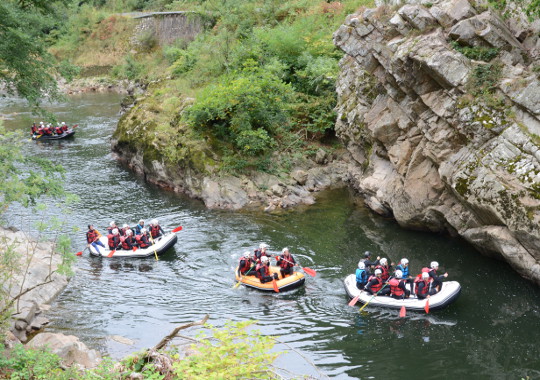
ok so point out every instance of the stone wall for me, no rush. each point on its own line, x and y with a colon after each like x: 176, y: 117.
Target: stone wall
x: 168, y: 27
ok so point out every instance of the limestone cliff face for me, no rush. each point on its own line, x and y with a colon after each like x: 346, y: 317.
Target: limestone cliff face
x: 441, y: 141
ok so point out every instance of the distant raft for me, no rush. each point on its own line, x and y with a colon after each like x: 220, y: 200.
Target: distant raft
x: 161, y: 244
x: 66, y: 134
x: 293, y: 281
x: 449, y: 292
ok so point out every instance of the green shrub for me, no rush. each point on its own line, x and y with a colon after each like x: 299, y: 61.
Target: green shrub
x: 479, y: 53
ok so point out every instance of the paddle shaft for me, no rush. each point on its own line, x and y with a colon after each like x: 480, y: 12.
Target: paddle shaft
x: 242, y: 277
x: 310, y: 271
x: 375, y: 295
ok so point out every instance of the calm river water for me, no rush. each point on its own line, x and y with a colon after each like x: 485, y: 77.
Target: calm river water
x: 491, y: 331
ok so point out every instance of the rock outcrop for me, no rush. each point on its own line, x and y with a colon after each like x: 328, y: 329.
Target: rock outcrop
x: 439, y: 106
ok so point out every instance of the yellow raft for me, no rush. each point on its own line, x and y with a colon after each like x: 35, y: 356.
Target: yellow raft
x: 292, y: 281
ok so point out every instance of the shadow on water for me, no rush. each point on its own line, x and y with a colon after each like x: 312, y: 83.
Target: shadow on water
x: 490, y: 332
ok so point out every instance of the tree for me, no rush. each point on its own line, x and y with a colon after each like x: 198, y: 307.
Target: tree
x: 26, y: 68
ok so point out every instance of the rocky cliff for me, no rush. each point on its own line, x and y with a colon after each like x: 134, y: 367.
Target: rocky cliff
x: 439, y: 105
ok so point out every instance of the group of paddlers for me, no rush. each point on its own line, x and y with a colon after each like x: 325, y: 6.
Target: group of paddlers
x: 48, y: 129
x: 258, y: 264
x: 125, y: 237
x: 374, y: 277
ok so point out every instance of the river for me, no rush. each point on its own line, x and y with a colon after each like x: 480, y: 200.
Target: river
x: 490, y: 332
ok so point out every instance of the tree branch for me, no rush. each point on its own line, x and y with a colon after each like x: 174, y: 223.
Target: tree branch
x: 169, y: 337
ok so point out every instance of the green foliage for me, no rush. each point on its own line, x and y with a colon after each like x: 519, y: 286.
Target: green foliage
x: 29, y: 363
x: 232, y: 353
x: 250, y: 105
x: 479, y: 53
x: 25, y: 65
x: 131, y: 69
x: 485, y: 78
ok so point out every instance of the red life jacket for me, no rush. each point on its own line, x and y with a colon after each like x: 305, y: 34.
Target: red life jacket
x: 247, y: 264
x: 127, y: 242
x: 65, y: 128
x: 154, y: 231
x: 113, y: 241
x: 394, y: 287
x: 91, y: 236
x: 384, y: 271
x: 142, y: 242
x: 425, y: 289
x: 378, y: 286
x: 58, y: 130
x: 285, y: 262
x: 258, y: 270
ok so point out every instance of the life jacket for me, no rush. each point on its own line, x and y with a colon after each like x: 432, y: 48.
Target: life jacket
x: 154, y: 231
x: 64, y: 128
x: 404, y: 270
x: 259, y: 254
x: 378, y: 286
x: 394, y: 287
x: 247, y: 264
x: 384, y: 271
x: 91, y: 236
x: 34, y: 129
x: 285, y: 262
x: 425, y: 289
x: 142, y: 241
x: 113, y: 241
x: 258, y: 271
x: 361, y: 276
x: 58, y: 130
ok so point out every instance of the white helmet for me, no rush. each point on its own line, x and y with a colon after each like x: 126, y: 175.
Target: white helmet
x: 143, y: 230
x: 141, y: 221
x: 383, y: 261
x: 404, y: 261
x: 247, y: 254
x: 129, y: 232
x: 115, y: 231
x: 425, y: 275
x: 154, y: 222
x: 398, y: 274
x: 264, y: 259
x: 112, y: 224
x: 285, y: 250
x: 361, y: 265
x: 434, y: 264
x: 378, y: 271
x: 63, y: 123
x: 40, y: 123
x: 263, y: 246
x: 125, y: 226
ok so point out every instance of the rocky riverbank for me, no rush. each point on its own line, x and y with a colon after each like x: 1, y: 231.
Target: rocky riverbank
x: 33, y: 282
x: 439, y: 106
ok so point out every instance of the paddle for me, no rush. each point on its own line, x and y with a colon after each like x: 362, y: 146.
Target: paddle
x: 426, y: 307
x: 354, y: 300
x: 177, y: 229
x: 134, y: 249
x: 111, y: 253
x: 309, y: 271
x: 402, y: 312
x: 81, y: 252
x: 155, y: 252
x: 274, y: 284
x: 242, y: 277
x: 375, y: 295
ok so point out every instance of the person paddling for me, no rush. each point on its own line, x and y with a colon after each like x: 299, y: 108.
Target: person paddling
x: 286, y: 263
x: 263, y: 271
x: 246, y: 264
x: 142, y: 239
x: 92, y: 238
x: 155, y: 229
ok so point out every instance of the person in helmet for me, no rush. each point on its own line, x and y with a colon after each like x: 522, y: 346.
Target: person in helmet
x: 124, y: 229
x: 261, y: 251
x: 361, y: 275
x: 142, y: 239
x: 437, y: 280
x: 403, y: 266
x: 128, y: 241
x: 376, y: 285
x: 112, y: 226
x: 64, y: 127
x: 246, y: 265
x: 114, y: 239
x: 397, y: 286
x: 385, y: 268
x: 368, y: 263
x: 262, y: 271
x: 155, y: 229
x: 138, y: 227
x: 286, y: 263
x: 424, y: 288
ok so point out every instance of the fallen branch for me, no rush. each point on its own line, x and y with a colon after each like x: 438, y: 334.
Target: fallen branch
x: 169, y: 337
x: 12, y: 301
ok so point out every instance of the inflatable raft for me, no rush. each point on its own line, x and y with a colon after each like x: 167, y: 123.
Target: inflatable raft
x: 293, y: 281
x: 66, y: 134
x: 161, y: 244
x: 450, y: 291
